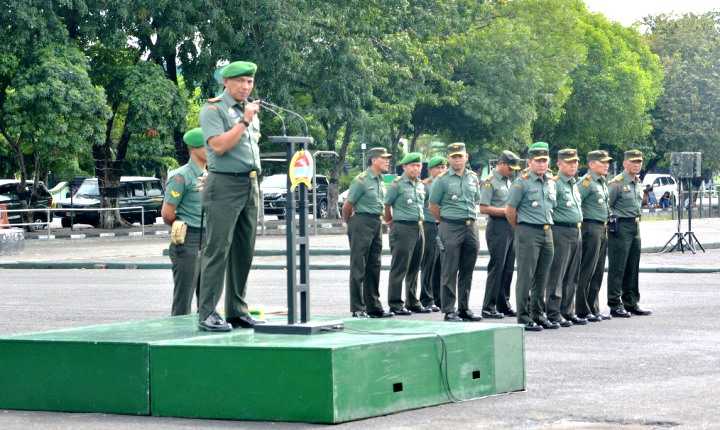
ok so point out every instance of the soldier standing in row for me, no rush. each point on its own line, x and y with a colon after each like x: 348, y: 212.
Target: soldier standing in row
x: 567, y: 220
x: 431, y: 268
x: 529, y: 211
x: 453, y: 201
x: 404, y: 214
x: 182, y: 209
x: 494, y: 193
x: 596, y: 211
x: 363, y: 211
x: 626, y: 196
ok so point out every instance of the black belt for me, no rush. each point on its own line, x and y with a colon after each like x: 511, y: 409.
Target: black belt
x: 369, y: 215
x: 594, y: 221
x: 635, y: 219
x: 465, y: 221
x: 401, y: 221
x: 497, y: 218
x: 250, y: 174
x: 536, y: 226
x: 568, y: 224
x: 431, y: 222
x: 195, y: 229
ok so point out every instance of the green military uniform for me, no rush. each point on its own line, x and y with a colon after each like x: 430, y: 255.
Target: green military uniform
x: 494, y: 192
x: 564, y: 271
x: 366, y: 195
x: 431, y: 266
x: 231, y: 201
x: 458, y: 196
x: 596, y: 211
x: 626, y: 195
x: 406, y: 196
x: 181, y: 191
x: 533, y: 197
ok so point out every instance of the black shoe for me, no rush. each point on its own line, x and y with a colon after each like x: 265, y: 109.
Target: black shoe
x: 214, y: 322
x: 620, y: 313
x: 468, y: 315
x: 590, y: 318
x: 576, y: 320
x: 420, y: 310
x: 548, y: 325
x: 604, y: 317
x: 243, y: 322
x: 531, y: 326
x: 452, y: 317
x: 402, y: 312
x: 359, y: 314
x: 493, y: 315
x: 509, y: 312
x: 640, y: 312
x: 434, y: 308
x: 562, y: 322
x: 380, y: 314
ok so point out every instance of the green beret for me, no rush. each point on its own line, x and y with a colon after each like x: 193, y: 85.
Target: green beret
x: 436, y: 161
x: 194, y: 138
x: 539, y: 150
x: 411, y: 157
x: 239, y: 68
x: 633, y: 155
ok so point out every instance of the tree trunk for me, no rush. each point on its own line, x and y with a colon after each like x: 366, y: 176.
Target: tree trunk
x: 416, y: 135
x: 108, y: 172
x: 336, y: 171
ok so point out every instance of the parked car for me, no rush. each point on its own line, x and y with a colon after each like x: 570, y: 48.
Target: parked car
x: 660, y: 183
x: 134, y: 191
x: 42, y: 199
x: 274, y: 189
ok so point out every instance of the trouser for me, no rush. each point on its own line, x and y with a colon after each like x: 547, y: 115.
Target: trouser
x: 592, y: 268
x: 623, y: 265
x: 406, y: 247
x: 564, y: 272
x: 534, y: 250
x: 365, y: 236
x: 458, y: 262
x: 431, y: 267
x: 185, y: 262
x: 231, y: 208
x: 499, y: 237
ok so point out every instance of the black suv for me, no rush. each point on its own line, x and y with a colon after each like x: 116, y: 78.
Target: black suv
x: 274, y: 193
x: 134, y: 191
x: 14, y: 196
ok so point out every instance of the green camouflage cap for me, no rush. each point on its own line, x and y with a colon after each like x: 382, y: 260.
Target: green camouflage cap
x: 411, y: 157
x: 378, y: 152
x: 598, y: 155
x: 568, y: 154
x: 456, y: 148
x: 511, y: 159
x: 194, y: 138
x: 239, y: 68
x: 436, y: 161
x: 633, y: 155
x: 538, y: 151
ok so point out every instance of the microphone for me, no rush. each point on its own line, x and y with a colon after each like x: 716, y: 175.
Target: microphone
x: 267, y: 105
x: 277, y: 114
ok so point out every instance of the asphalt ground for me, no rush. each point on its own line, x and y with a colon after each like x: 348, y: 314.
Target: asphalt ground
x: 661, y: 371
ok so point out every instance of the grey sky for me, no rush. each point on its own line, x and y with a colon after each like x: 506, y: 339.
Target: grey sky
x: 629, y: 11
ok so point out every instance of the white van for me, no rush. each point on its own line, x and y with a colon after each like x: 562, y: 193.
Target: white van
x: 660, y: 183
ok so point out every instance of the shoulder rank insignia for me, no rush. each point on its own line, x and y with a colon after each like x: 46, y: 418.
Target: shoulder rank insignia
x: 525, y: 175
x: 586, y: 181
x: 214, y: 99
x: 617, y: 178
x: 174, y: 194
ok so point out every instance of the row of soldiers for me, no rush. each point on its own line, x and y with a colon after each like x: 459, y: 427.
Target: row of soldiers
x: 559, y: 228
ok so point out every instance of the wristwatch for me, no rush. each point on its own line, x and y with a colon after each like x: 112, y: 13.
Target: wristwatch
x: 247, y: 124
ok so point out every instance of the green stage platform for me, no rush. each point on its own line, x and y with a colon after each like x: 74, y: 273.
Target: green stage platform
x: 167, y: 367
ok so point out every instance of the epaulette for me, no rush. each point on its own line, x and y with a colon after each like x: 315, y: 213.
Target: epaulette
x: 556, y: 178
x: 617, y: 178
x: 525, y: 175
x: 442, y: 174
x: 487, y: 178
x: 398, y: 179
x: 214, y: 99
x: 427, y: 180
x: 586, y: 181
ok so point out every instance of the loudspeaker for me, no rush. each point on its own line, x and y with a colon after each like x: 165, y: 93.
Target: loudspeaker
x: 686, y: 164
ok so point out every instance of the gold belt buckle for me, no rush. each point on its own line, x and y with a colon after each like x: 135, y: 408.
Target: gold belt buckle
x: 469, y: 221
x: 579, y: 225
x: 253, y: 174
x: 637, y: 220
x: 546, y: 227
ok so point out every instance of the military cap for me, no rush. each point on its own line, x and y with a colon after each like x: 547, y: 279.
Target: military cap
x: 568, y: 154
x: 456, y: 148
x: 378, y: 152
x: 436, y: 161
x: 239, y: 68
x: 194, y: 138
x: 509, y: 158
x: 598, y: 155
x: 411, y: 157
x: 539, y: 151
x: 633, y: 155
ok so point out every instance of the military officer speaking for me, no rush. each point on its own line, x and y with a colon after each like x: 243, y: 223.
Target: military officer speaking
x: 626, y: 196
x: 494, y: 193
x: 182, y: 209
x: 231, y: 130
x: 567, y: 220
x: 596, y: 211
x: 404, y: 213
x: 529, y: 211
x: 431, y: 268
x: 362, y: 211
x: 453, y: 200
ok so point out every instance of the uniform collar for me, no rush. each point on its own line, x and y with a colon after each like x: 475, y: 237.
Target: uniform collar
x: 534, y: 176
x: 499, y: 177
x: 565, y: 178
x: 451, y: 171
x: 627, y: 178
x: 195, y: 168
x: 372, y: 174
x: 407, y: 179
x: 229, y: 100
x: 596, y: 177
